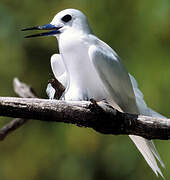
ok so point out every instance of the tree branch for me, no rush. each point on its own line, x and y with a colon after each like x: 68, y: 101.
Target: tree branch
x: 25, y: 91
x: 101, y: 118
x: 11, y: 126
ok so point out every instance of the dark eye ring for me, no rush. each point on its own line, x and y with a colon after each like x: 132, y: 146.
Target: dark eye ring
x: 66, y: 18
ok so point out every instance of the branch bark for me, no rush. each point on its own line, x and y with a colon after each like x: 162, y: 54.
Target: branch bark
x: 102, y: 118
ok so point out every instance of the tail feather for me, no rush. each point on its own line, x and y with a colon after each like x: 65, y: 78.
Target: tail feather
x: 155, y: 152
x: 146, y: 147
x: 146, y: 150
x: 150, y: 143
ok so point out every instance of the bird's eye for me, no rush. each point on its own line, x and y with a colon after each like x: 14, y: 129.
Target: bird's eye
x: 66, y: 18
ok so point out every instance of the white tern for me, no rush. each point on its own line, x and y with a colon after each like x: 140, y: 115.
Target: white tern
x: 89, y: 68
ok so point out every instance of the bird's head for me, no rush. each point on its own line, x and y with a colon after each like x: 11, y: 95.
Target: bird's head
x: 68, y: 19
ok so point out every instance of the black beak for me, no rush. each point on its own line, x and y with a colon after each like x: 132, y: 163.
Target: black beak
x: 53, y: 28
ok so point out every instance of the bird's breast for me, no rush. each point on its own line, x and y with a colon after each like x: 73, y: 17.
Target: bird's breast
x: 84, y: 82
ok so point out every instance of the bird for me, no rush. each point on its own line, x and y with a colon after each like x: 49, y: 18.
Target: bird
x: 91, y: 69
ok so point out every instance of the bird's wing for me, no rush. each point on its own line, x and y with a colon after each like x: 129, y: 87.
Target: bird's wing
x: 58, y: 69
x: 57, y: 65
x: 59, y: 72
x: 114, y: 77
x: 143, y: 108
x: 119, y: 85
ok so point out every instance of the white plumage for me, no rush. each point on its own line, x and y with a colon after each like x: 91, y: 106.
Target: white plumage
x: 89, y: 68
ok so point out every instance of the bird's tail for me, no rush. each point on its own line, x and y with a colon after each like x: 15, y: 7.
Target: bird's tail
x: 146, y: 147
x: 148, y: 150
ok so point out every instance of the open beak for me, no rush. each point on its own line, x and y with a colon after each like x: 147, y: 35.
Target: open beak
x: 53, y: 28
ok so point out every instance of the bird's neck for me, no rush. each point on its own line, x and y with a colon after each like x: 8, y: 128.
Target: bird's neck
x: 74, y: 52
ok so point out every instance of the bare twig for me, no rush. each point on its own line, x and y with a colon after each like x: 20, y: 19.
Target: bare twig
x: 22, y: 90
x: 59, y: 88
x: 11, y: 126
x: 105, y: 120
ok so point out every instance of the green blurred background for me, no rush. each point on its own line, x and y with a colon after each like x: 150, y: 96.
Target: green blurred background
x: 139, y: 31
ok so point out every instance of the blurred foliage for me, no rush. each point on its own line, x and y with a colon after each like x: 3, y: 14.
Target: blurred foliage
x: 140, y: 32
